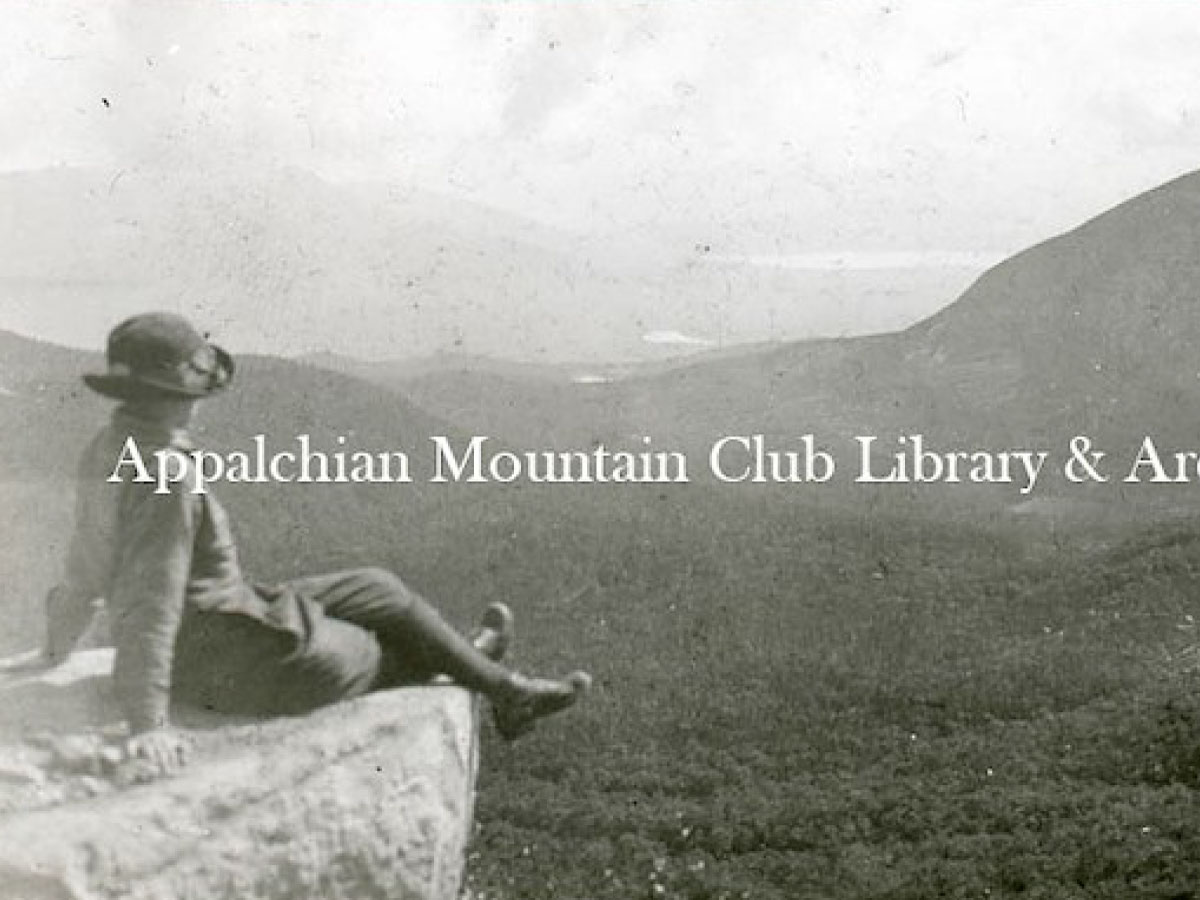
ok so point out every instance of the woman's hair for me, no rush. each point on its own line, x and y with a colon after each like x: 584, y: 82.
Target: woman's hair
x: 152, y: 402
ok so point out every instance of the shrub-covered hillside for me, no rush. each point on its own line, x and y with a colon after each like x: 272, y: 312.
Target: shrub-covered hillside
x: 803, y: 705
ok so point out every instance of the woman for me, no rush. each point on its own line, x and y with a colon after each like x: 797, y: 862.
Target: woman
x: 185, y: 622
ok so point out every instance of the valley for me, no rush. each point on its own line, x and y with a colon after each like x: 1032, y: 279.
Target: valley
x: 807, y: 690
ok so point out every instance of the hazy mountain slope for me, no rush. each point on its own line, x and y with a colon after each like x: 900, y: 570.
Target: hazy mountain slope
x: 319, y: 252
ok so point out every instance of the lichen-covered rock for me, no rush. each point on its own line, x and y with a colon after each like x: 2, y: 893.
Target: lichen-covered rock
x: 367, y: 799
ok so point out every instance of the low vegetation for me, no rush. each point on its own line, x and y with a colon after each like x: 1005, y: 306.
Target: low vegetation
x: 797, y: 702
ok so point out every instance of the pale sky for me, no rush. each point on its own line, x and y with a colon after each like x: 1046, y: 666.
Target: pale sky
x: 748, y: 170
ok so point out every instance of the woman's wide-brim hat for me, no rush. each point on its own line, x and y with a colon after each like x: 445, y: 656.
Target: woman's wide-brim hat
x: 156, y: 354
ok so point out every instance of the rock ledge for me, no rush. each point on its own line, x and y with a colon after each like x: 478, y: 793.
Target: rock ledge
x: 369, y: 799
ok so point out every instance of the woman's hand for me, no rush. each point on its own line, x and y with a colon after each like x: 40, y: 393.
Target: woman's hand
x: 163, y: 748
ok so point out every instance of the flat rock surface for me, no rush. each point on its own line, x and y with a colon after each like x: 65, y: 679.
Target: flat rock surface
x: 370, y: 798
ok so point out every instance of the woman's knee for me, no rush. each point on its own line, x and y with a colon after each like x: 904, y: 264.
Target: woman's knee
x: 387, y: 584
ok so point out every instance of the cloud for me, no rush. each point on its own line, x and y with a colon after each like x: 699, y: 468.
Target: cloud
x: 676, y: 339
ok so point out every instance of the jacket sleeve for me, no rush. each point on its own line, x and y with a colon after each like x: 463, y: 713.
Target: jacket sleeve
x: 152, y: 564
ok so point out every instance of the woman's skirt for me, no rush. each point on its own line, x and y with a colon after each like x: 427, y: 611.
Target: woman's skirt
x: 235, y: 663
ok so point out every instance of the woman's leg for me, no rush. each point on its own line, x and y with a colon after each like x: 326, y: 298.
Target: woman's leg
x: 419, y: 644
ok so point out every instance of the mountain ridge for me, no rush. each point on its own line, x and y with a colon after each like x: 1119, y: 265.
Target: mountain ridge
x: 1087, y: 331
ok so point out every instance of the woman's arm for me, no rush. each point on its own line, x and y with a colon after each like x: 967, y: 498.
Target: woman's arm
x: 152, y: 564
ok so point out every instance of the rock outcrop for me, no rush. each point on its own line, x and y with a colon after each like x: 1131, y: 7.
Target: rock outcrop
x: 368, y: 799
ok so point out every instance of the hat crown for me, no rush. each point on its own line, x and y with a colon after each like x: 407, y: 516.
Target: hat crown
x: 154, y: 341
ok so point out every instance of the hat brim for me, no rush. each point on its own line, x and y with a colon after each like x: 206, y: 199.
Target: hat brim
x: 138, y: 387
x: 126, y: 387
